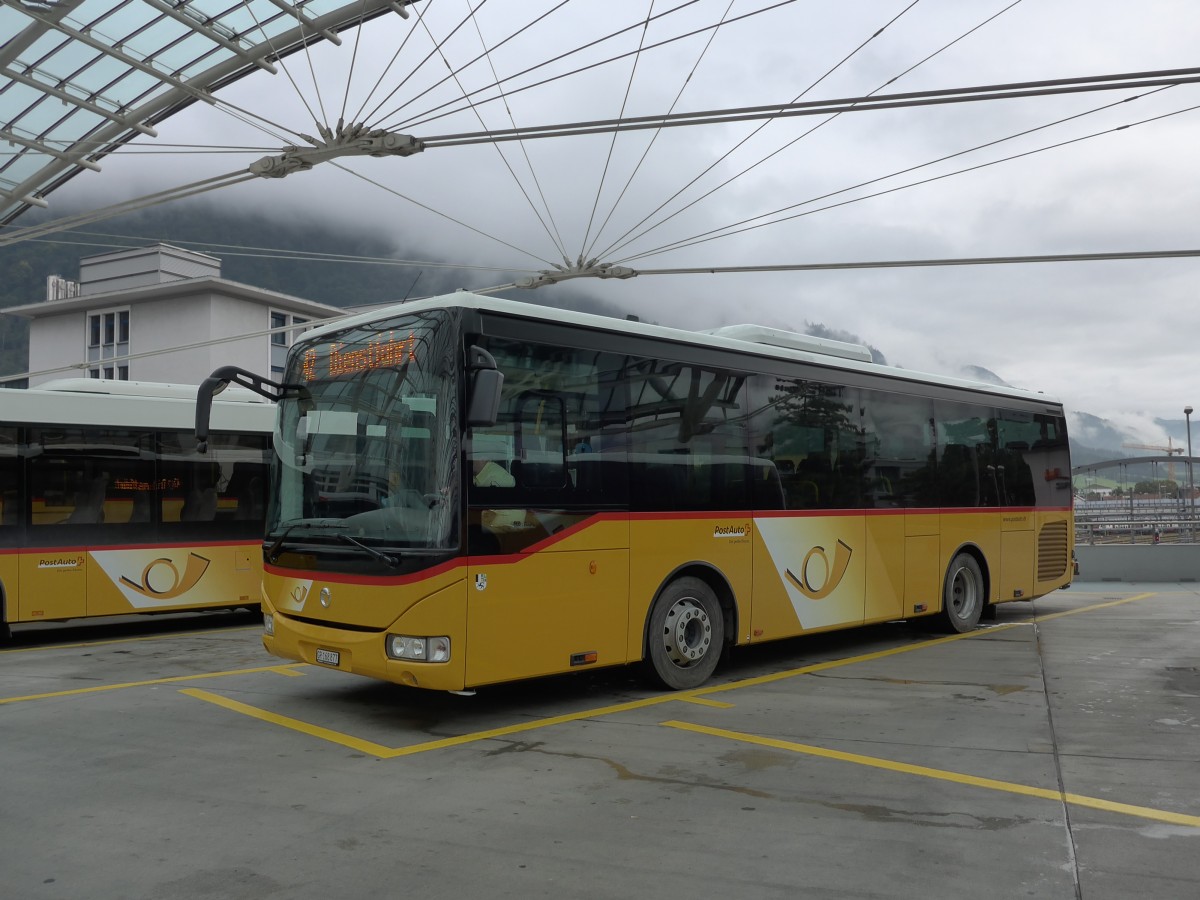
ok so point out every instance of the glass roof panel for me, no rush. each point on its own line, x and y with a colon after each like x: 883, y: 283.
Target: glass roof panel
x: 90, y: 50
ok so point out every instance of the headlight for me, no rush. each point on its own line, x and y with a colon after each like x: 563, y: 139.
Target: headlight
x: 418, y: 649
x: 268, y: 625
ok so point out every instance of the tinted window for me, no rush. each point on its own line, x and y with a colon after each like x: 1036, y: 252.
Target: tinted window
x: 116, y: 486
x: 898, y: 433
x: 687, y: 437
x: 966, y: 455
x: 11, y: 509
x: 221, y: 492
x: 815, y: 437
x: 560, y: 439
x: 93, y: 477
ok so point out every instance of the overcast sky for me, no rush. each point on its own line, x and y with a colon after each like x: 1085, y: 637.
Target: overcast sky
x: 1116, y: 339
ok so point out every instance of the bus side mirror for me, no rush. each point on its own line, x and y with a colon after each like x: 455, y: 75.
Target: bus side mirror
x: 208, y: 389
x: 219, y: 380
x: 483, y: 406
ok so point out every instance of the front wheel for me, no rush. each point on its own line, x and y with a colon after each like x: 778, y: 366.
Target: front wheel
x: 963, y: 596
x: 685, y: 634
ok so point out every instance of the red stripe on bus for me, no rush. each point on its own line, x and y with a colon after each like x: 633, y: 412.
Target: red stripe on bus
x: 91, y: 548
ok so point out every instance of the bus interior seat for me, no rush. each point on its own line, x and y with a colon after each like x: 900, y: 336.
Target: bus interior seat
x: 141, y: 507
x: 250, y: 500
x: 199, y: 506
x: 768, y: 489
x: 959, y: 475
x: 539, y: 475
x: 89, y: 505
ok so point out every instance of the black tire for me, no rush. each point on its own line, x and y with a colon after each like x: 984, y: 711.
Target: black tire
x: 685, y: 634
x: 963, y: 595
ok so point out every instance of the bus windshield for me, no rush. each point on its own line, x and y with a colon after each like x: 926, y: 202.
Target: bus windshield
x: 366, y: 446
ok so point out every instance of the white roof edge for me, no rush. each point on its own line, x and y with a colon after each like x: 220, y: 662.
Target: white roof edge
x: 113, y: 387
x: 469, y: 300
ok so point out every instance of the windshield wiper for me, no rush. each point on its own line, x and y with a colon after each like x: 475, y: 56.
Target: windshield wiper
x: 390, y: 561
x: 273, y: 551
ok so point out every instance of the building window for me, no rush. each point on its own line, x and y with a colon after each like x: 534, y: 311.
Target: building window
x: 108, y: 341
x: 285, y: 328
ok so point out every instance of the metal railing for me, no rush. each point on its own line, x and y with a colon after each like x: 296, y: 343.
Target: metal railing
x: 1165, y: 520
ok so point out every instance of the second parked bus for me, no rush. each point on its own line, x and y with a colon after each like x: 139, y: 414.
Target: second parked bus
x: 106, y: 508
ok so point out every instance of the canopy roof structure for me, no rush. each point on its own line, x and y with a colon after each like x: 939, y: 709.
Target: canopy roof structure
x: 79, y: 78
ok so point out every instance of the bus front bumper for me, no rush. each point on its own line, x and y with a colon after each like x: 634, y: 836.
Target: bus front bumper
x: 363, y: 652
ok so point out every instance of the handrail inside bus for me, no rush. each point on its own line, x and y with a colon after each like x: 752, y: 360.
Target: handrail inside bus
x: 219, y: 380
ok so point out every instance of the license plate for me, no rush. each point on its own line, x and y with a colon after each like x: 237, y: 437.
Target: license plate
x: 329, y: 657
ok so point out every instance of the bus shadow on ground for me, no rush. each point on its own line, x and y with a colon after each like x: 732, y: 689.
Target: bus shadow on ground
x: 49, y: 634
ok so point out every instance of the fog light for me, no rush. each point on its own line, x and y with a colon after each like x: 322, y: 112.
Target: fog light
x: 268, y: 625
x: 418, y: 649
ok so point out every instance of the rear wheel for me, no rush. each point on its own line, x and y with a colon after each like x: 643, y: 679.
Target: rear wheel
x: 963, y: 597
x: 685, y: 634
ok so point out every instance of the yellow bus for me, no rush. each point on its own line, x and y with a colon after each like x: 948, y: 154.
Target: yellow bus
x: 468, y: 490
x: 106, y: 508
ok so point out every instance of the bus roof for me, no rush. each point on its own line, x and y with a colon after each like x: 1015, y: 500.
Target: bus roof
x: 755, y: 340
x: 144, y: 389
x: 83, y: 401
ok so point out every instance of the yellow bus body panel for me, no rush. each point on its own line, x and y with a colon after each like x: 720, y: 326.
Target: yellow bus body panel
x: 431, y: 604
x: 159, y: 579
x: 361, y: 652
x: 535, y: 615
x: 582, y: 598
x: 10, y: 583
x: 886, y: 547
x: 42, y: 585
x: 53, y: 585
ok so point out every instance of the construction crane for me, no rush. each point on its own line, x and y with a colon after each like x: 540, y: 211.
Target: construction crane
x: 1169, y: 450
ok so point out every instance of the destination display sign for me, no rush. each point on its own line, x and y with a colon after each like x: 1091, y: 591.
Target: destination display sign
x: 337, y: 360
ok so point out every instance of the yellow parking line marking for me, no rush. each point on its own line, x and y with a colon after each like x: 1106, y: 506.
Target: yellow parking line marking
x: 702, y: 701
x: 697, y: 696
x: 383, y: 752
x: 95, y: 689
x: 325, y: 734
x: 907, y: 648
x: 1094, y: 606
x: 992, y: 784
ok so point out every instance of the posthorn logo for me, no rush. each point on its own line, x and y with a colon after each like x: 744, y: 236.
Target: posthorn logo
x: 818, y: 577
x: 161, y: 579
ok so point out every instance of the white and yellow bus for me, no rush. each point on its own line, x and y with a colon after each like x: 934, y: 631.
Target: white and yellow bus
x: 106, y: 508
x: 468, y: 490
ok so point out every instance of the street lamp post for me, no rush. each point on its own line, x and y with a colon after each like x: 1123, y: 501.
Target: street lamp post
x: 1187, y: 413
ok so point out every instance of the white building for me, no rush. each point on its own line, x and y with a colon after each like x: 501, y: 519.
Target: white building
x: 169, y: 303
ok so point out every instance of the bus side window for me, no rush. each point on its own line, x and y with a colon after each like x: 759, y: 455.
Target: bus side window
x: 10, y: 481
x: 541, y: 459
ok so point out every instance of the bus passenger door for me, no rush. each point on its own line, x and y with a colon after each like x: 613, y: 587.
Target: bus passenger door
x: 65, y: 503
x: 557, y: 589
x: 548, y: 545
